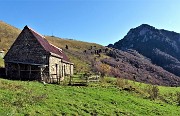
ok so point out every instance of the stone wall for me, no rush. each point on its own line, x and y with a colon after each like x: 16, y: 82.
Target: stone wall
x: 59, y: 69
x: 68, y: 69
x: 55, y: 67
x: 72, y: 69
x: 27, y: 49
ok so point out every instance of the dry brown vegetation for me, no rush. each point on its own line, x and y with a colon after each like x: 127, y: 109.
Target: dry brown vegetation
x: 131, y: 65
x: 8, y: 34
x: 76, y: 52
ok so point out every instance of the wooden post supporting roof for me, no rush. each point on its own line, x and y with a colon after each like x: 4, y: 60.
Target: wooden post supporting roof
x: 70, y: 80
x: 42, y: 67
x: 6, y: 67
x: 19, y: 71
x: 29, y: 71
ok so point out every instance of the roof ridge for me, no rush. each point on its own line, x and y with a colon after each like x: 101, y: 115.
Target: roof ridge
x: 56, y: 47
x: 36, y: 32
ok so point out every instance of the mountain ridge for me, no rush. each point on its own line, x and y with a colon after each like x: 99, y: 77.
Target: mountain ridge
x: 154, y: 44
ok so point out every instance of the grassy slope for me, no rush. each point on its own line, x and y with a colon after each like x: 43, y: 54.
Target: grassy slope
x: 33, y: 98
x: 8, y: 34
x: 74, y: 45
x: 75, y: 51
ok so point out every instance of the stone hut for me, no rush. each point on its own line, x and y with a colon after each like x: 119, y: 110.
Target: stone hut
x: 32, y: 57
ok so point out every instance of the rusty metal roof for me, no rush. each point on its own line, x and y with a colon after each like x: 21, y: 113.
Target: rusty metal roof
x: 47, y: 46
x: 65, y: 58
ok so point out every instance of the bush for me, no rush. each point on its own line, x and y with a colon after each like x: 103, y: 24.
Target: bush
x: 104, y: 69
x: 120, y: 82
x: 125, y: 85
x: 109, y: 80
x: 153, y: 91
x: 178, y: 98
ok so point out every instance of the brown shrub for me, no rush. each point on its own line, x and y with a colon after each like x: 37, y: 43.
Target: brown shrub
x: 153, y: 91
x: 120, y: 82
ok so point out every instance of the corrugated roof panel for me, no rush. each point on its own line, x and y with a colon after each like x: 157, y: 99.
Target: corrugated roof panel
x: 47, y: 46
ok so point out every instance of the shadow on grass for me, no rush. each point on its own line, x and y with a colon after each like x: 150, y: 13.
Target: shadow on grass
x: 78, y: 84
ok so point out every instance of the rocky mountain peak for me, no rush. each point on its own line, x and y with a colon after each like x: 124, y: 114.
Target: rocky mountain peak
x: 159, y: 45
x: 146, y: 26
x: 143, y: 29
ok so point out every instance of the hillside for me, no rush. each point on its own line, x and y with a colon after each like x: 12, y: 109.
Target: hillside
x: 33, y: 98
x: 131, y: 65
x: 95, y: 58
x: 8, y: 34
x: 127, y: 64
x: 76, y: 50
x: 162, y: 47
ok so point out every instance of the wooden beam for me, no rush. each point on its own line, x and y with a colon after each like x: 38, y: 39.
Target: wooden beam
x: 19, y: 72
x: 6, y: 66
x: 26, y: 63
x: 70, y: 80
x: 29, y: 71
x: 41, y: 74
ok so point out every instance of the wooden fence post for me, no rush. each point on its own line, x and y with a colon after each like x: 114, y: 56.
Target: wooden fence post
x: 70, y: 80
x: 87, y: 79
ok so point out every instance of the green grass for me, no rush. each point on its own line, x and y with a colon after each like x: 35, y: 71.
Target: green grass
x: 165, y: 94
x: 165, y: 90
x: 33, y: 98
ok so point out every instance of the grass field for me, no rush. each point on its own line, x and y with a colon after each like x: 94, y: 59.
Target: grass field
x: 34, y: 98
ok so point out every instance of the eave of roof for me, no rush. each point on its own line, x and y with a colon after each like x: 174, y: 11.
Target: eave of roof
x: 16, y: 62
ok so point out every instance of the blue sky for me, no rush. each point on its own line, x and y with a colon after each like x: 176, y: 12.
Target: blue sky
x: 98, y: 21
